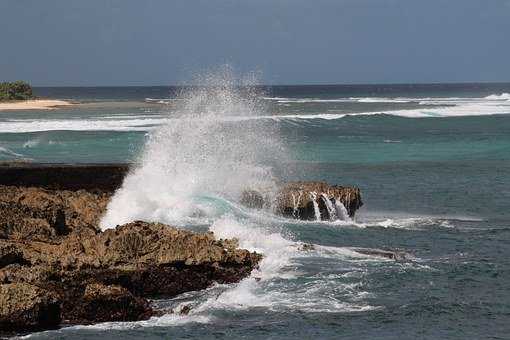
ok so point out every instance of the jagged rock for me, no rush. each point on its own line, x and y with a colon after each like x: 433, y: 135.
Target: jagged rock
x: 185, y: 310
x: 298, y: 199
x: 100, y: 303
x: 107, y: 276
x: 27, y: 307
x: 253, y: 199
x: 10, y: 254
x: 131, y: 246
x: 306, y: 247
x: 39, y: 214
x: 50, y: 242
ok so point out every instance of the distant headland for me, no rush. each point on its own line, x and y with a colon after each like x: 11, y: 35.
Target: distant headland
x: 18, y: 95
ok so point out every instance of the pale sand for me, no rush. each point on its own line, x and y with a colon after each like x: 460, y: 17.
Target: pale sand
x: 36, y: 104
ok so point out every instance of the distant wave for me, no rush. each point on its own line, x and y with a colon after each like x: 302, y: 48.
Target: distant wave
x: 9, y: 152
x: 385, y: 100
x: 390, y: 100
x: 161, y: 100
x: 36, y: 125
x: 283, y: 100
x: 502, y: 96
x: 429, y: 107
x: 151, y: 123
x: 276, y: 98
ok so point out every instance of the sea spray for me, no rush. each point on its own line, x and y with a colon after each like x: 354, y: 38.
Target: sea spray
x: 330, y: 206
x: 316, y: 210
x: 341, y: 211
x: 199, y: 154
x: 193, y: 171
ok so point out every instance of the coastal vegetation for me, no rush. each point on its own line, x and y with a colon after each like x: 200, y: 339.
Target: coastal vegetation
x: 18, y: 90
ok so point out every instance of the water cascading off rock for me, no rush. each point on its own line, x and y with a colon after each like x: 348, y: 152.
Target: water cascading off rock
x: 309, y: 201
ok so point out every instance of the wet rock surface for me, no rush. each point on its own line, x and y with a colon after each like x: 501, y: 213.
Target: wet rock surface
x: 309, y: 201
x: 57, y: 267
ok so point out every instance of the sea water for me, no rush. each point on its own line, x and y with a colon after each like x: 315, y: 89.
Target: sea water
x: 432, y: 162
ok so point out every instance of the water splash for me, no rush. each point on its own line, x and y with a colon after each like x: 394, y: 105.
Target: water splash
x: 295, y: 203
x: 330, y: 206
x: 316, y: 210
x: 201, y: 154
x: 341, y: 211
x: 194, y: 170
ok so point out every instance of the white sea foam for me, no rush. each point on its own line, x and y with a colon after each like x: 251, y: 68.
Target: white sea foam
x: 341, y: 100
x: 198, y: 154
x: 411, y: 222
x: 167, y: 320
x: 265, y: 287
x: 194, y: 169
x: 161, y: 100
x: 31, y: 143
x: 502, y: 96
x: 432, y: 107
x: 383, y: 100
x: 35, y: 125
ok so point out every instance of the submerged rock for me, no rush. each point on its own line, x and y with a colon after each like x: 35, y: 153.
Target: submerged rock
x: 306, y: 247
x: 309, y: 201
x: 393, y: 254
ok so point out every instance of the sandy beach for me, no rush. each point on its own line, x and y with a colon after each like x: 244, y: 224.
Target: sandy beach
x: 36, y: 104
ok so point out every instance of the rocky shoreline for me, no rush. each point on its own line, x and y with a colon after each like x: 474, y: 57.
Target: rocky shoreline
x: 58, y: 268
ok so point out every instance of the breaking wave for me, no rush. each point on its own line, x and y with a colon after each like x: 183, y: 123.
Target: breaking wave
x: 199, y: 154
x: 502, y: 96
x: 404, y: 107
x: 193, y: 171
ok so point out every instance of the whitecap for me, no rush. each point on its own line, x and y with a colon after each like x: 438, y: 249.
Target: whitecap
x: 502, y: 96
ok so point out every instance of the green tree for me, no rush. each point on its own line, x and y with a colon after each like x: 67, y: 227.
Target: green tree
x: 18, y: 90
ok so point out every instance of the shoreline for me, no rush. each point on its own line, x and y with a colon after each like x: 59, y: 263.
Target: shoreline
x: 34, y: 104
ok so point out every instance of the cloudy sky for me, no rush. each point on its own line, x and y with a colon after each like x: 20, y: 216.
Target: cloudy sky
x: 160, y: 42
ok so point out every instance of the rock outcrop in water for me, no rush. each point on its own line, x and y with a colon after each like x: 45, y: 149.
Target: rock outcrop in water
x: 309, y: 201
x: 56, y: 267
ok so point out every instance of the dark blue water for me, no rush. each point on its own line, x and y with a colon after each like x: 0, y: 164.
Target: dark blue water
x: 433, y: 164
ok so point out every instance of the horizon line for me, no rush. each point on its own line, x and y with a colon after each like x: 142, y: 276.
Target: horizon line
x: 290, y: 85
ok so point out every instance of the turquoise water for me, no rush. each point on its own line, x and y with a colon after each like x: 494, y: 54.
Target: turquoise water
x: 433, y: 164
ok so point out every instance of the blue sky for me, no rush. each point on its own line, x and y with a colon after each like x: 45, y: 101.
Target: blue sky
x: 130, y: 42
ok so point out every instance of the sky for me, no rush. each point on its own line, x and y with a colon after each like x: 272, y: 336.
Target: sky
x: 169, y: 42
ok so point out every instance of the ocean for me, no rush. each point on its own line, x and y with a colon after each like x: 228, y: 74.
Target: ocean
x: 432, y: 163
